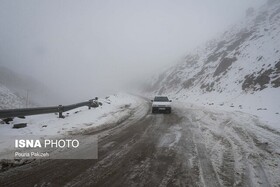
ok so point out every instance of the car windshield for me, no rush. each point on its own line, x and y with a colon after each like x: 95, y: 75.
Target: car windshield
x: 161, y: 99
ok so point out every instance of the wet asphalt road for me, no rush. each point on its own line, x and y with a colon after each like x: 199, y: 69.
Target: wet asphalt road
x: 154, y: 150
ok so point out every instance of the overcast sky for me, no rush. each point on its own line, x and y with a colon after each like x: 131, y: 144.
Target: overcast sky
x: 84, y: 48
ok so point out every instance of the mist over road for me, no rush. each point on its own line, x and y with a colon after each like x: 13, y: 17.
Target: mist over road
x: 189, y: 147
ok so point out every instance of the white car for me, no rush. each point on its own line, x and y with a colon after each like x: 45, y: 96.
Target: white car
x: 161, y: 104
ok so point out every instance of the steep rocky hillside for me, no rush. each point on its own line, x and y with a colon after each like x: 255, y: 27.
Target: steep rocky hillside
x: 239, y: 69
x: 8, y: 99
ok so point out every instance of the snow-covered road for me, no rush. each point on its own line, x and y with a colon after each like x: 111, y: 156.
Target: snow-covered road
x: 193, y: 146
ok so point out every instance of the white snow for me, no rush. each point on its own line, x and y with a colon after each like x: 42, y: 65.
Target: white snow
x: 8, y: 99
x: 260, y: 51
x: 263, y: 104
x: 239, y: 137
x: 115, y: 108
x: 172, y: 137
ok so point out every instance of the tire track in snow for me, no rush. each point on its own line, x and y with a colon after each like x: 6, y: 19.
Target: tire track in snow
x: 186, y: 148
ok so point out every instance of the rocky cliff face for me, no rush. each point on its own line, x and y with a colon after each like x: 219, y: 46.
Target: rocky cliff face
x: 245, y: 59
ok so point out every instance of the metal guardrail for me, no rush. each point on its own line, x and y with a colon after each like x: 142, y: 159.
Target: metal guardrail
x: 45, y: 110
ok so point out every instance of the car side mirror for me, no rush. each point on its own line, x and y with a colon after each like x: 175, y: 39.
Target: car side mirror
x: 170, y: 100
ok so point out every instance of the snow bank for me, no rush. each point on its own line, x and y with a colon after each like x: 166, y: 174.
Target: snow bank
x: 263, y: 104
x: 114, y: 107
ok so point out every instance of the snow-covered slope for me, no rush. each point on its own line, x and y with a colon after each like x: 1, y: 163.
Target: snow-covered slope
x: 240, y: 70
x: 8, y: 99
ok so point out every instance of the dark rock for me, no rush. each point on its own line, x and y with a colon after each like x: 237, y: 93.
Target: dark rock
x: 276, y: 83
x: 209, y: 87
x: 261, y: 80
x: 242, y: 36
x: 8, y: 120
x: 264, y: 78
x: 215, y: 56
x: 94, y: 104
x: 259, y: 58
x: 224, y: 65
x: 76, y: 112
x: 237, y: 53
x: 277, y: 65
x: 218, y: 79
x: 220, y: 45
x: 188, y: 83
x: 260, y: 71
x: 262, y: 109
x: 19, y: 125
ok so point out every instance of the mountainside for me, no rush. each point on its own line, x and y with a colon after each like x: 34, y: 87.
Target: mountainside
x: 20, y: 85
x: 9, y: 100
x: 241, y: 69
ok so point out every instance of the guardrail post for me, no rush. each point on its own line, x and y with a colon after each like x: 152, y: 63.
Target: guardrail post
x: 60, y: 110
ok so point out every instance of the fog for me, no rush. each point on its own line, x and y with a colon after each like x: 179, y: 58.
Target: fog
x: 83, y: 49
